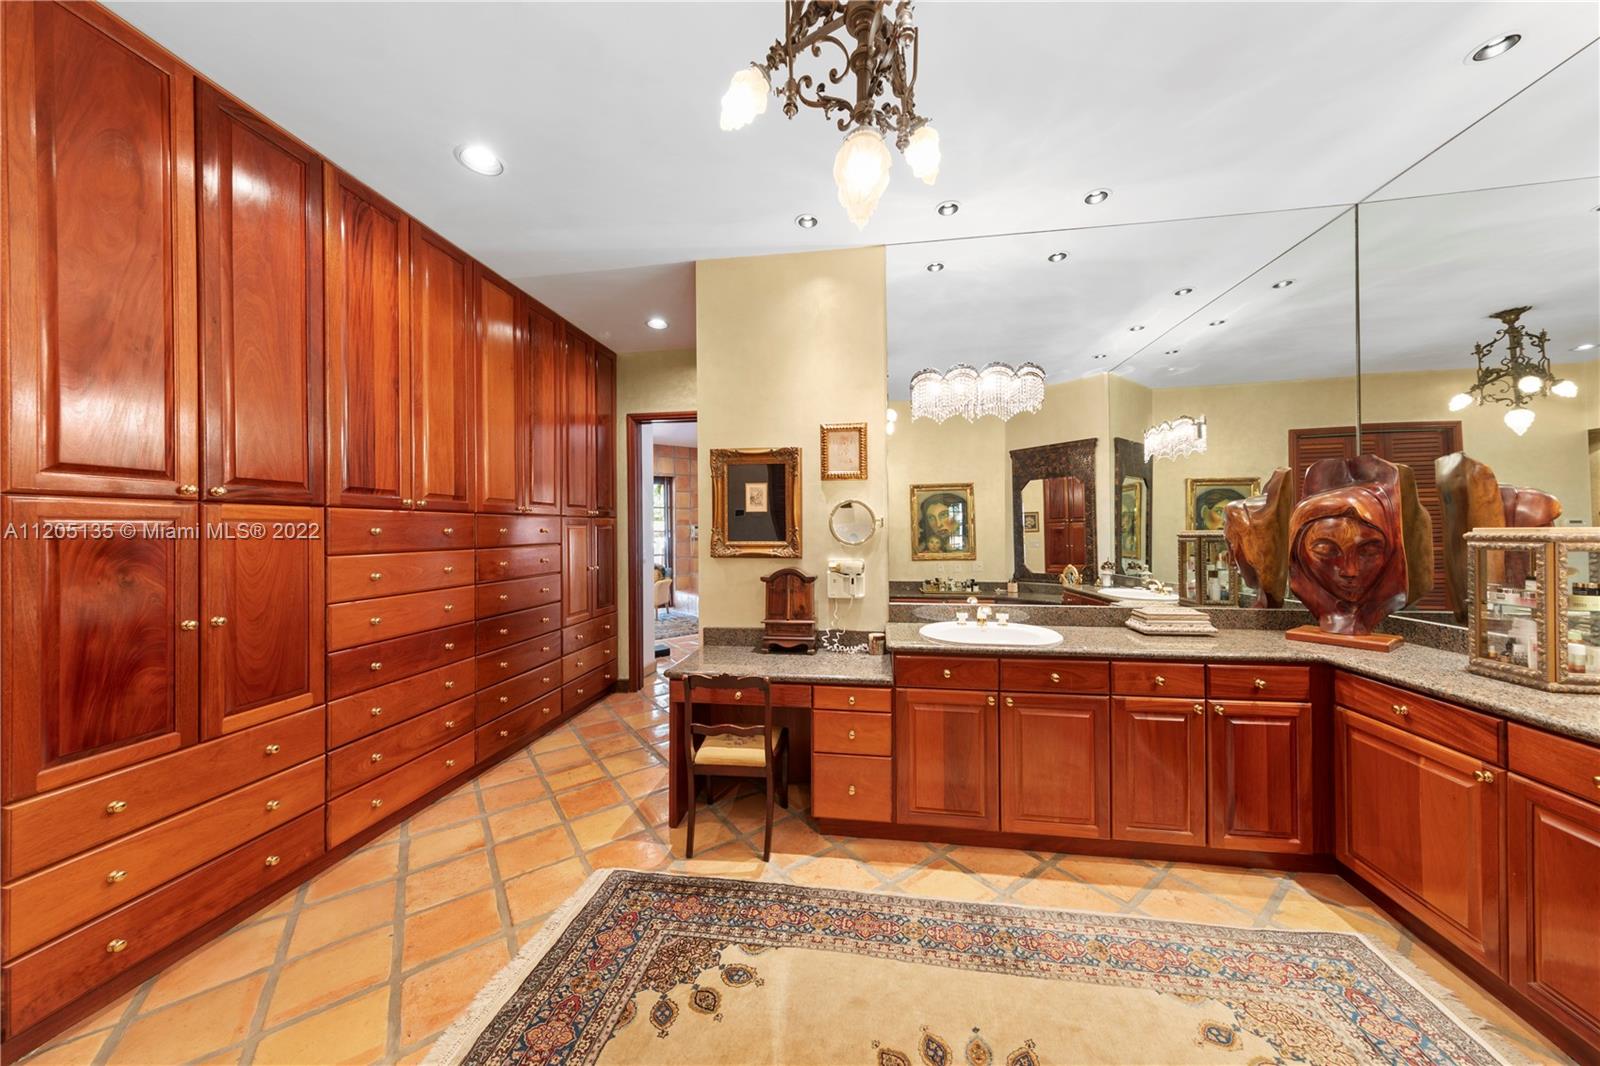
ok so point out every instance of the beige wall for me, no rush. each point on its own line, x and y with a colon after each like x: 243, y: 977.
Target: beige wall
x: 785, y: 343
x: 1033, y: 543
x: 924, y: 453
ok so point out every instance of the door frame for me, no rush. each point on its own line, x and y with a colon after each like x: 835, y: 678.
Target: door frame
x: 637, y: 420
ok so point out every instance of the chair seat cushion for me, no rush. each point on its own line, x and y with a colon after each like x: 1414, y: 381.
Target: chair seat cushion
x: 735, y: 751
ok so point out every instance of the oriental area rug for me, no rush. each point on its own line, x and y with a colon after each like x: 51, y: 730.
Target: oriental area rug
x: 660, y: 968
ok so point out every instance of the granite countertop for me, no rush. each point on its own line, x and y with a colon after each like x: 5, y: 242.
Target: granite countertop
x: 825, y: 667
x: 1427, y: 670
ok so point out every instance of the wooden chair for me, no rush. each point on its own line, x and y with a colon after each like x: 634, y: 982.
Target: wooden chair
x: 736, y: 750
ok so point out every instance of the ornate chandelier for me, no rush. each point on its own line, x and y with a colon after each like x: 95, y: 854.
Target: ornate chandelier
x: 1000, y: 390
x: 1518, y: 376
x: 882, y: 59
x: 1175, y: 439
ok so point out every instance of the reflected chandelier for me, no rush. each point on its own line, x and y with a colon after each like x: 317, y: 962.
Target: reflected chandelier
x: 1000, y: 390
x: 882, y: 59
x: 1518, y: 376
x: 1175, y: 439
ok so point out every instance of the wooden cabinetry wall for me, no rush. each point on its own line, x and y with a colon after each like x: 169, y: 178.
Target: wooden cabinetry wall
x: 308, y: 514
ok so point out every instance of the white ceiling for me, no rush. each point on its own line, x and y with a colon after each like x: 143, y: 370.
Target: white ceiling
x: 675, y: 434
x: 617, y: 177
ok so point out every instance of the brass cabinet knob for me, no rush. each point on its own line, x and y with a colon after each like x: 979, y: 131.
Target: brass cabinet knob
x: 505, y: 699
x: 115, y: 946
x: 272, y: 749
x: 505, y: 733
x: 543, y: 530
x: 273, y: 860
x: 852, y: 734
x: 449, y: 763
x: 580, y: 691
x: 450, y: 723
x: 1055, y: 678
x: 377, y: 803
x: 273, y: 805
x: 503, y: 632
x: 544, y: 647
x: 219, y: 490
x: 544, y: 588
x: 375, y: 620
x: 851, y: 701
x: 504, y: 597
x: 1597, y: 780
x: 377, y: 756
x: 424, y: 503
x: 1218, y: 708
x: 218, y: 621
x: 544, y: 710
x: 188, y: 490
x: 1399, y: 708
x: 947, y: 673
x: 1261, y: 683
x: 545, y: 620
x: 608, y: 629
x: 405, y: 503
x: 376, y: 711
x: 503, y: 563
x: 502, y: 531
x: 1199, y: 708
x: 1160, y: 681
x: 374, y: 666
x: 991, y: 701
x: 376, y: 575
x: 738, y: 693
x: 504, y: 664
x: 1485, y: 776
x: 451, y: 606
x: 851, y: 791
x: 115, y: 876
x: 376, y: 531
x: 448, y: 531
x: 118, y: 806
x: 449, y: 645
x: 189, y: 625
x: 449, y: 684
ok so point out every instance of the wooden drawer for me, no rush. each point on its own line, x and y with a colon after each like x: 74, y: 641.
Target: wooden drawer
x: 49, y: 828
x: 51, y: 902
x: 356, y: 669
x: 372, y: 757
x: 376, y: 800
x: 358, y: 577
x: 1245, y: 682
x: 1567, y: 764
x: 852, y: 733
x: 1455, y: 727
x: 853, y: 698
x: 495, y: 531
x: 1089, y: 677
x: 379, y: 708
x: 584, y: 690
x: 366, y: 621
x: 504, y: 663
x: 509, y: 695
x: 937, y: 671
x: 517, y: 627
x: 517, y: 727
x: 354, y: 531
x: 590, y: 658
x: 1176, y: 680
x: 42, y: 982
x: 591, y: 632
x: 783, y: 695
x: 503, y: 564
x: 852, y: 787
x: 504, y: 596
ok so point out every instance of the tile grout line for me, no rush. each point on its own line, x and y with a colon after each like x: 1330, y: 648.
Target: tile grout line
x: 258, y: 1018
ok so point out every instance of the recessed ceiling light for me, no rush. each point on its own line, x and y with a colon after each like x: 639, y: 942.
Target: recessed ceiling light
x: 480, y: 159
x: 934, y: 268
x: 1284, y: 284
x: 1134, y: 329
x: 1098, y: 196
x: 1219, y: 322
x: 806, y: 221
x: 949, y: 207
x: 1588, y: 346
x: 1182, y: 292
x: 1056, y: 257
x: 1499, y: 46
x: 656, y: 322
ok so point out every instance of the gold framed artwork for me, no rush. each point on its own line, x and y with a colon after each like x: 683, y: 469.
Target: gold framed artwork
x: 844, y: 451
x: 943, y: 523
x: 1030, y: 521
x: 755, y: 502
x: 1205, y: 497
x: 1130, y: 535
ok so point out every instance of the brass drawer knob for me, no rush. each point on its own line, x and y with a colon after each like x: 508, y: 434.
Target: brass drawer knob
x: 1199, y: 708
x: 189, y: 625
x: 116, y: 876
x: 544, y: 710
x: 852, y: 734
x: 450, y: 723
x: 218, y: 621
x: 1597, y: 780
x: 448, y: 531
x: 504, y: 664
x: 947, y: 673
x: 545, y: 648
x: 1217, y: 707
x: 1399, y: 708
x: 188, y: 490
x: 580, y: 692
x: 449, y: 763
x: 374, y: 666
x: 544, y: 588
x: 505, y: 699
x: 991, y: 701
x: 376, y: 711
x: 377, y: 803
x: 449, y: 645
x: 449, y: 607
x: 851, y: 701
x: 504, y: 597
x: 608, y: 629
x: 738, y: 693
x: 405, y: 503
x: 218, y: 491
x: 1485, y: 776
x: 505, y: 733
x: 1260, y: 683
x: 543, y: 530
x: 502, y: 531
x: 375, y: 620
x: 377, y: 756
x: 503, y: 563
x: 1010, y: 702
x: 851, y: 791
x: 376, y: 531
x: 273, y: 805
x: 503, y: 632
x: 1160, y: 681
x: 273, y: 749
x: 449, y: 684
x: 273, y: 860
x: 118, y: 806
x: 1056, y: 678
x: 376, y: 575
x: 115, y: 946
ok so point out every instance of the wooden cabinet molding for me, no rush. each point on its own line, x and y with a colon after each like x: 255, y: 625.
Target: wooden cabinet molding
x: 1158, y: 778
x: 1259, y: 776
x: 947, y: 764
x: 441, y: 418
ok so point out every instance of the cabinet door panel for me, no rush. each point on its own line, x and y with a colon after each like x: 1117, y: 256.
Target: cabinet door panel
x: 577, y: 548
x: 545, y: 437
x: 603, y: 559
x: 1260, y: 776
x: 369, y: 340
x: 502, y: 398
x: 1055, y: 754
x: 1158, y: 786
x: 100, y: 270
x: 605, y: 433
x: 441, y: 374
x: 99, y: 671
x: 577, y: 424
x: 260, y: 308
x: 265, y: 658
x: 946, y: 758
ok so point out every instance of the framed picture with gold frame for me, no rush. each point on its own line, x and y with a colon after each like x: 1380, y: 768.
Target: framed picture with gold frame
x: 844, y: 451
x: 943, y: 523
x: 1205, y: 497
x: 755, y: 502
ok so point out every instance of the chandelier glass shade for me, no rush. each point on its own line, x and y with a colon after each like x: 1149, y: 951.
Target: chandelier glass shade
x: 1182, y: 436
x: 1000, y: 390
x: 861, y: 171
x: 1515, y: 377
x: 746, y: 98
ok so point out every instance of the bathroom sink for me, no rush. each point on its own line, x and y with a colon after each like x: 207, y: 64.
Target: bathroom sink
x: 1141, y: 595
x: 1011, y: 635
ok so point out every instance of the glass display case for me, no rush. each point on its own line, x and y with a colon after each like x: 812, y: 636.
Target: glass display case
x: 1535, y: 606
x: 1206, y: 574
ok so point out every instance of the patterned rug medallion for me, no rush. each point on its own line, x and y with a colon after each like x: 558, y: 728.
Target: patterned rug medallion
x: 658, y: 968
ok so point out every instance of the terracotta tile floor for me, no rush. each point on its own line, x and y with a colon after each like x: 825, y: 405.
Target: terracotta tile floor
x: 370, y: 961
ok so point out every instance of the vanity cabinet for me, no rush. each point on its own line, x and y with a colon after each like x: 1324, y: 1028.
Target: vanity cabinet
x: 947, y: 764
x: 1158, y: 770
x: 1055, y: 759
x: 1259, y: 776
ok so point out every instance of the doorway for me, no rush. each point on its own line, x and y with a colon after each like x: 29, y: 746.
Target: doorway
x: 663, y: 623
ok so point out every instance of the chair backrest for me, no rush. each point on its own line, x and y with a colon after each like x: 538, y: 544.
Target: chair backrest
x: 693, y: 683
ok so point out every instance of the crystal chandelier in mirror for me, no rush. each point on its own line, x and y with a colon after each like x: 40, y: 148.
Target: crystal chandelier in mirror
x: 1519, y: 375
x: 1000, y: 390
x: 1175, y: 439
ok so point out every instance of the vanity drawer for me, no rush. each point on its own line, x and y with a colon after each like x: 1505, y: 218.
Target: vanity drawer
x: 783, y: 695
x: 1567, y: 764
x: 495, y: 531
x: 366, y: 621
x: 590, y: 632
x: 504, y: 663
x: 929, y: 671
x: 517, y: 727
x: 370, y: 758
x: 582, y: 691
x: 583, y: 660
x: 355, y: 577
x: 367, y: 712
x: 1455, y: 727
x: 376, y: 800
x: 852, y: 733
x: 355, y: 669
x: 53, y: 901
x: 852, y: 787
x: 49, y: 828
x: 841, y: 698
x: 353, y: 531
x: 44, y: 981
x: 1259, y: 682
x: 502, y: 564
x: 509, y: 695
x: 1158, y: 679
x: 1083, y: 676
x: 516, y: 627
x: 504, y: 596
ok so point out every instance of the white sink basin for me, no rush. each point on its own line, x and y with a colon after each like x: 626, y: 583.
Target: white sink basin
x: 1010, y: 635
x: 1142, y: 595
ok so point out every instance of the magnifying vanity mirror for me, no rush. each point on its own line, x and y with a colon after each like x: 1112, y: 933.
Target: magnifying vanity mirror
x: 852, y: 522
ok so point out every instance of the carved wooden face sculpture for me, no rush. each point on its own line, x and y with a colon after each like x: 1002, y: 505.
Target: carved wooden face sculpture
x: 1345, y: 553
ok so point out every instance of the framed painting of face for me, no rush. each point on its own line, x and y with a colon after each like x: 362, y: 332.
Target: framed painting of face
x: 1207, y: 496
x: 755, y: 502
x: 943, y: 523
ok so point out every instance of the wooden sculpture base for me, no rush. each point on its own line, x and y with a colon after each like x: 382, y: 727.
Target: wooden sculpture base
x: 1361, y: 642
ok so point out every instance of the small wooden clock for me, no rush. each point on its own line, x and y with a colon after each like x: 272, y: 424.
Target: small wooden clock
x: 791, y: 615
